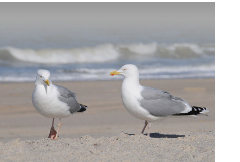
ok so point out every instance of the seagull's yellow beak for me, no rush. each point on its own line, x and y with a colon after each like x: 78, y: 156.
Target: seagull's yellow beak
x: 47, y: 82
x: 114, y: 73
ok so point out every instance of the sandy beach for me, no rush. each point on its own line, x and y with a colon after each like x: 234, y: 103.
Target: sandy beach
x: 106, y: 132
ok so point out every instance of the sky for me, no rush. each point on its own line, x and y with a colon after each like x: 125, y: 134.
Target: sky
x: 46, y: 25
x: 106, y: 15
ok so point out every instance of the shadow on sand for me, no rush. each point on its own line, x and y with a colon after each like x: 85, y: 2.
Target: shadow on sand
x: 158, y: 135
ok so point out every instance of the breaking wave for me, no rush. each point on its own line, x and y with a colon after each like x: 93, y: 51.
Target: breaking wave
x: 104, y: 53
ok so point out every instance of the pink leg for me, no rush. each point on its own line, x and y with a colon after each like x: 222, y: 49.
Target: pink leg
x: 149, y: 126
x: 53, y: 132
x: 59, y: 125
x: 145, y: 125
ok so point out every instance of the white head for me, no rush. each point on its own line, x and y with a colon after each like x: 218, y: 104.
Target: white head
x: 128, y: 70
x: 43, y: 77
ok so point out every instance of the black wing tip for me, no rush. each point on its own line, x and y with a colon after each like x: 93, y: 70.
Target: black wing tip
x: 195, y: 111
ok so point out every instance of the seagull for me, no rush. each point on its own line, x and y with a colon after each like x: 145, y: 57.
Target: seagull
x: 54, y: 101
x: 148, y: 103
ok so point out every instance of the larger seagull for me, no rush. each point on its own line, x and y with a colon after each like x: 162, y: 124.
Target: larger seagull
x: 150, y: 104
x: 53, y: 101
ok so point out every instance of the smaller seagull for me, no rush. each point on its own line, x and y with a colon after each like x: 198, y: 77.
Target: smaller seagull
x: 53, y: 101
x: 150, y: 104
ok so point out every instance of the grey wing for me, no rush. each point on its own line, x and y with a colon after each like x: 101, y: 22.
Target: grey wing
x: 68, y: 97
x: 161, y: 103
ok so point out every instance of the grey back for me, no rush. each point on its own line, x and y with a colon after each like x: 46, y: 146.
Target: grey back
x: 68, y: 97
x: 161, y: 103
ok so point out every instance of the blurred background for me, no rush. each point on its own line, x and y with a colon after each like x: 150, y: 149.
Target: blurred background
x: 86, y: 41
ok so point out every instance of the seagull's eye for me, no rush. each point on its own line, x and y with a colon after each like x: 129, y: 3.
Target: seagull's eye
x: 124, y: 69
x: 40, y: 76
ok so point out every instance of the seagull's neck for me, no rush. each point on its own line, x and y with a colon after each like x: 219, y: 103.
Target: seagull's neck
x: 131, y: 82
x: 130, y: 90
x: 46, y: 88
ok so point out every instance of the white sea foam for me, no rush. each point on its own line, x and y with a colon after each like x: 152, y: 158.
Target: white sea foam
x: 149, y: 72
x: 178, y: 69
x: 103, y: 53
x: 140, y: 48
x: 185, y: 46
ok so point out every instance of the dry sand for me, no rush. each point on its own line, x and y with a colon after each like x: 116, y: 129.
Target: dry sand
x: 106, y: 132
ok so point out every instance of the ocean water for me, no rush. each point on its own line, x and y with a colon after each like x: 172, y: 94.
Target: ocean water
x: 84, y: 54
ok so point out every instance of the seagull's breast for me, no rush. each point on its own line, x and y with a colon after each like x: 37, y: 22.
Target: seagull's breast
x: 48, y: 104
x: 130, y: 98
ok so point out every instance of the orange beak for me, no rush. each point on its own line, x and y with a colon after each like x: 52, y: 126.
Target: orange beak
x: 47, y: 82
x: 114, y: 73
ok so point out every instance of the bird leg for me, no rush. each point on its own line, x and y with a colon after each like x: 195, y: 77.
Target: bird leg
x: 148, y: 132
x: 59, y: 125
x: 53, y: 132
x: 146, y: 123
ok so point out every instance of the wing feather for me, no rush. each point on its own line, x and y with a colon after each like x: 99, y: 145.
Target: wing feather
x: 162, y: 103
